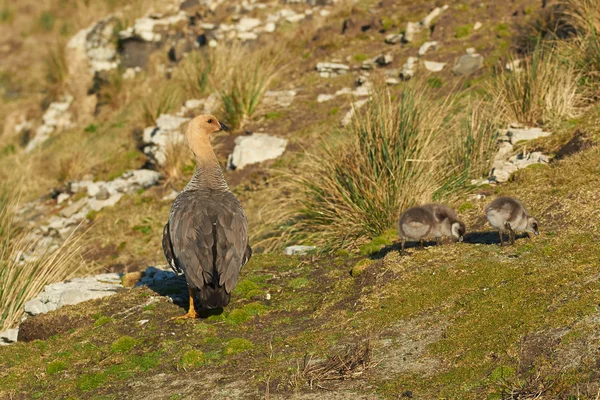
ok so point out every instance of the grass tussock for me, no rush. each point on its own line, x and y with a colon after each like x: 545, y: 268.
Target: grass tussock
x: 473, y: 148
x: 165, y: 99
x: 57, y: 70
x: 584, y: 50
x: 389, y: 158
x: 177, y: 156
x: 544, y: 92
x: 24, y: 271
x: 240, y: 76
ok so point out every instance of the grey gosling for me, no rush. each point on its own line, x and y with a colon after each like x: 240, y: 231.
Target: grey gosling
x: 431, y: 220
x: 507, y: 213
x: 206, y: 236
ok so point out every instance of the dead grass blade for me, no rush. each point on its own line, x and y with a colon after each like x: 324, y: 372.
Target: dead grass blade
x: 351, y: 363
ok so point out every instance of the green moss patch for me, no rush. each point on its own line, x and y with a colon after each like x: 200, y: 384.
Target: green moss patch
x: 238, y: 345
x: 123, y: 344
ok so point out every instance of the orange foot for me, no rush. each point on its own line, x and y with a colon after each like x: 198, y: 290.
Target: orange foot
x: 191, y: 314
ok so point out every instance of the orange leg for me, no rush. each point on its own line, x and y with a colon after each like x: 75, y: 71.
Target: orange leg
x: 192, y: 310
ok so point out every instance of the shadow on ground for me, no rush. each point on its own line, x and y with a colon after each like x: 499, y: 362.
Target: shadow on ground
x: 486, y: 237
x: 169, y: 284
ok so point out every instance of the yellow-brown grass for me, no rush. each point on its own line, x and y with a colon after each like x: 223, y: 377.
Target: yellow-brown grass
x: 23, y: 272
x: 544, y: 92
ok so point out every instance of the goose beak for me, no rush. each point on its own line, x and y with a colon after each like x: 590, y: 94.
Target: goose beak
x: 224, y: 127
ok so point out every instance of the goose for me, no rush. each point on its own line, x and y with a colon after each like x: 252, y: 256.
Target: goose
x: 431, y: 220
x: 507, y: 213
x: 206, y: 236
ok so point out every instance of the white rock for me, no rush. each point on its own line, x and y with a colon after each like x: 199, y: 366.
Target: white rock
x: 143, y: 321
x: 35, y: 307
x: 412, y: 28
x: 298, y: 250
x: 62, y: 198
x: 426, y: 46
x: 434, y: 66
x: 409, y: 68
x: 355, y: 106
x: 9, y: 336
x: 147, y: 28
x: 393, y: 38
x: 76, y: 296
x: 93, y: 189
x: 270, y: 27
x: 516, y: 135
x: 514, y: 66
x: 384, y: 59
x: 248, y: 24
x: 477, y: 26
x: 255, y: 148
x: 324, y: 97
x: 324, y: 13
x: 436, y: 12
x: 244, y: 36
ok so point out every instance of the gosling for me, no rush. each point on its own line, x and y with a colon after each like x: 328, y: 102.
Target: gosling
x: 430, y: 220
x: 509, y: 214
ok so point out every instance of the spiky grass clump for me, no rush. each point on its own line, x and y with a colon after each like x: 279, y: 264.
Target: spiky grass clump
x: 23, y: 274
x: 544, y: 92
x: 471, y: 152
x: 584, y: 15
x: 389, y: 160
x: 243, y: 86
x: 167, y: 98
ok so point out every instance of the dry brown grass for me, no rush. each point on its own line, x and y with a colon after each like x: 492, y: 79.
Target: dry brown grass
x: 545, y: 92
x: 350, y: 363
x: 25, y: 270
x: 240, y: 75
x: 178, y: 155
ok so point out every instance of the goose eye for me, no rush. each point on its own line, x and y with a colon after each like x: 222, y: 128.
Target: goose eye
x: 210, y: 121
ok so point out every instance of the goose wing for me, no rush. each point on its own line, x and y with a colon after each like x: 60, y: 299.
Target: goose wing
x: 209, y: 236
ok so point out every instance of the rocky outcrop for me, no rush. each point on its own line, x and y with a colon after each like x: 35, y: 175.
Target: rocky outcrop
x: 56, y: 118
x: 78, y: 290
x: 505, y: 162
x: 331, y: 69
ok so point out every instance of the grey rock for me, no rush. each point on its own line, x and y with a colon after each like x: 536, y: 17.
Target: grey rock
x: 102, y: 194
x: 298, y: 250
x: 255, y: 148
x: 468, y: 64
x: 76, y: 296
x: 35, y: 307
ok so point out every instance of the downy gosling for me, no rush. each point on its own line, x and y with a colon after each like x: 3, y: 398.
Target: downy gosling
x: 509, y: 214
x: 429, y: 221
